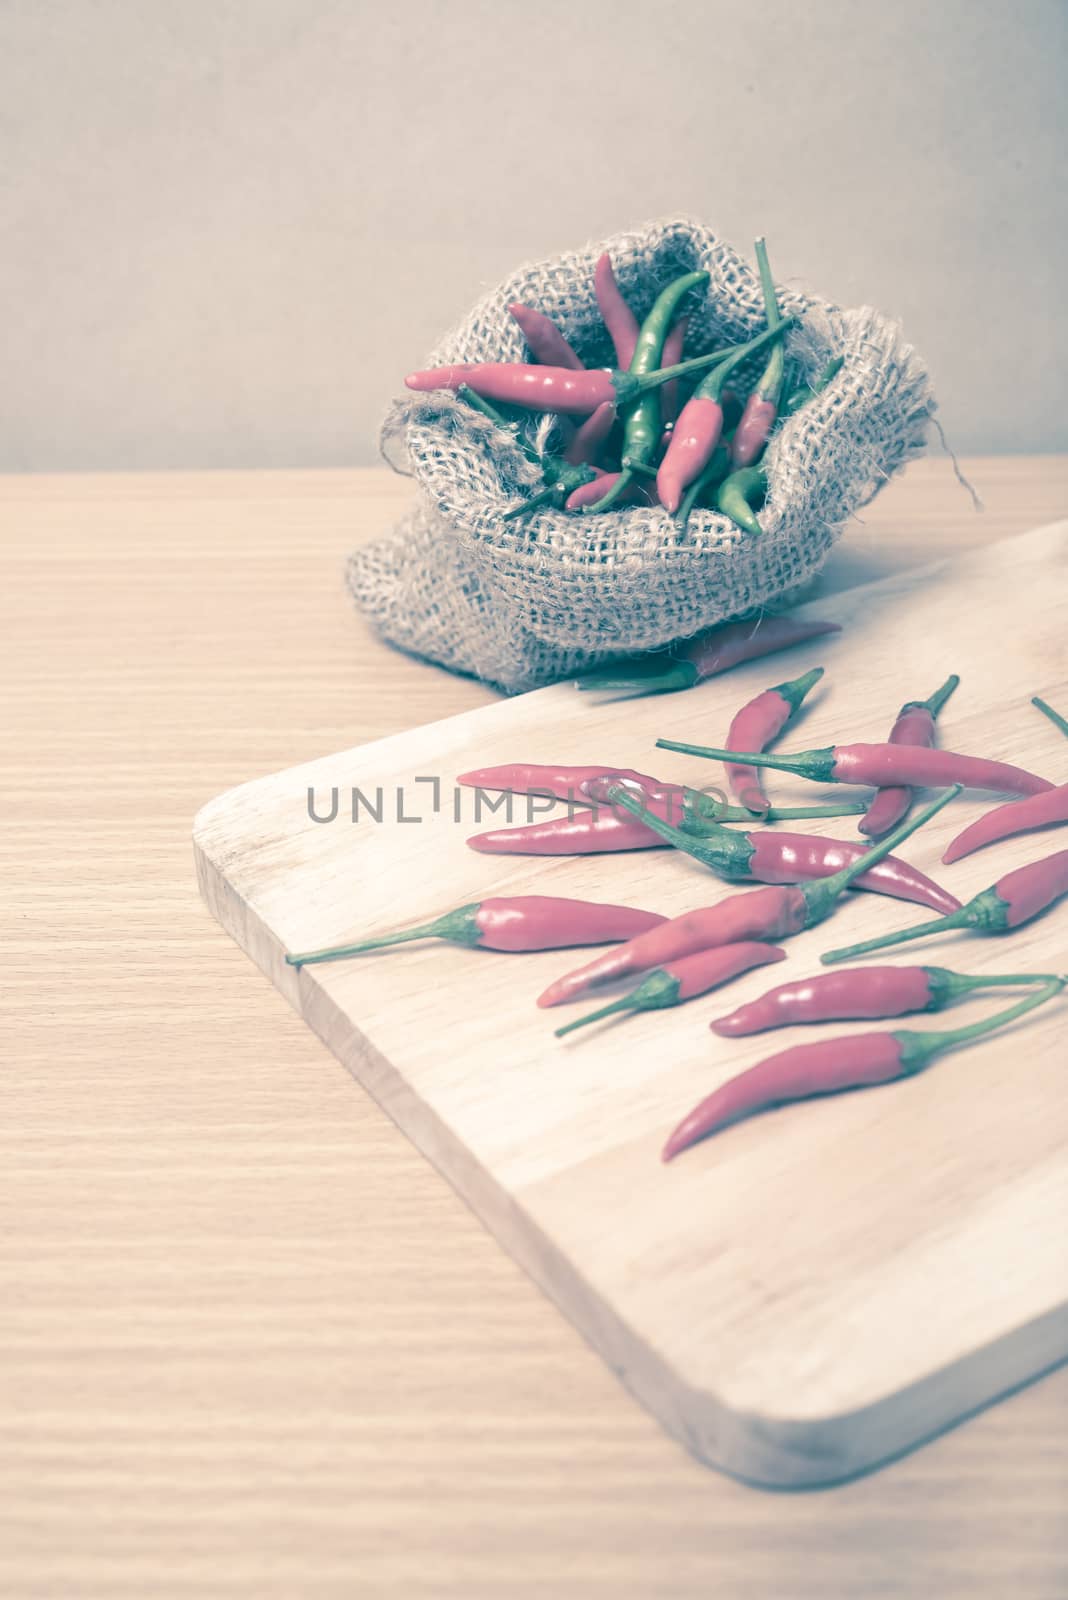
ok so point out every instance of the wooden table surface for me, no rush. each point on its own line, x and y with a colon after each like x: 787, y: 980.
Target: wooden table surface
x: 250, y: 1343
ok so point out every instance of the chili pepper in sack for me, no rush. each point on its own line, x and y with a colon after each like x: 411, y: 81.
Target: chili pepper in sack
x: 590, y: 435
x: 618, y: 486
x: 774, y: 856
x: 882, y: 765
x: 761, y: 409
x: 1047, y: 711
x: 915, y: 725
x: 1018, y: 816
x: 523, y: 922
x: 673, y: 348
x: 616, y: 315
x: 1007, y: 904
x: 860, y: 994
x: 754, y: 727
x: 714, y: 474
x: 707, y: 654
x: 642, y: 424
x: 698, y: 429
x: 685, y: 979
x: 772, y: 913
x: 739, y: 493
x: 831, y: 1065
x: 557, y: 389
x: 544, y: 339
x: 808, y: 391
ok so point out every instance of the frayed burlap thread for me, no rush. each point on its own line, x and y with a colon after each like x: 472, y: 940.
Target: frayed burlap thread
x: 525, y: 602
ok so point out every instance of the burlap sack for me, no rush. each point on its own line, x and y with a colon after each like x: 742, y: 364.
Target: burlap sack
x: 522, y: 603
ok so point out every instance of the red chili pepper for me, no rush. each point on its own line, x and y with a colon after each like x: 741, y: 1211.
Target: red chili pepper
x: 619, y: 485
x: 856, y: 1062
x: 755, y: 726
x: 773, y: 856
x: 915, y: 725
x: 590, y: 435
x: 685, y: 979
x: 860, y: 994
x: 1008, y: 903
x: 673, y: 348
x: 563, y: 783
x: 761, y: 409
x: 699, y: 427
x: 1018, y: 816
x: 616, y: 315
x: 523, y: 922
x: 605, y: 831
x: 558, y: 389
x: 881, y: 765
x: 707, y: 654
x: 547, y: 344
x: 757, y: 914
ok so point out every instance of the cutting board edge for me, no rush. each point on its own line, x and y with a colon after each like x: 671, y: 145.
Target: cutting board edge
x: 765, y: 1451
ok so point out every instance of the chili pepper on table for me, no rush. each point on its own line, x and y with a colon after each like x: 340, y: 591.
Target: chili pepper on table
x: 700, y: 423
x: 707, y: 654
x: 882, y: 765
x: 642, y: 424
x: 1045, y: 810
x: 860, y: 994
x: 1047, y: 711
x: 771, y: 913
x: 761, y: 408
x: 755, y: 726
x: 858, y: 1061
x: 739, y: 493
x: 1007, y: 904
x: 915, y: 725
x: 557, y: 389
x: 685, y: 979
x: 808, y: 391
x: 521, y: 922
x: 544, y: 339
x: 773, y: 856
x: 616, y: 315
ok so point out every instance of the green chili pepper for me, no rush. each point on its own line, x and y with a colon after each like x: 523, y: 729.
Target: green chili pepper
x: 739, y: 493
x: 642, y: 429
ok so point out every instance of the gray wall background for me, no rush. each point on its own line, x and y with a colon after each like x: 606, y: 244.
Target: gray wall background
x: 231, y: 226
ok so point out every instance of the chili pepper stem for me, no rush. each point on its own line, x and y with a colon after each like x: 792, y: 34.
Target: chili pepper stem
x: 919, y: 1048
x: 801, y: 766
x: 625, y: 1002
x: 938, y: 699
x: 458, y: 925
x: 490, y: 412
x: 618, y: 489
x: 771, y: 382
x: 955, y: 919
x: 1047, y: 711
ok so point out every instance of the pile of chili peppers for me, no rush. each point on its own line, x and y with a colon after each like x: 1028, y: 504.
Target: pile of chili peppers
x: 804, y: 877
x: 656, y: 428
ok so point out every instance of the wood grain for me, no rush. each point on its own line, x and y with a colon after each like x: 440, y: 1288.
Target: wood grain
x: 252, y: 1343
x: 764, y: 1296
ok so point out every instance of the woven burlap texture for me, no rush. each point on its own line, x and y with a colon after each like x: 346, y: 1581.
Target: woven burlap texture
x: 522, y: 603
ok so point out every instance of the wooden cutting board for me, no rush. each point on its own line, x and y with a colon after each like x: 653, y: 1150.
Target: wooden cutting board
x: 816, y: 1289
